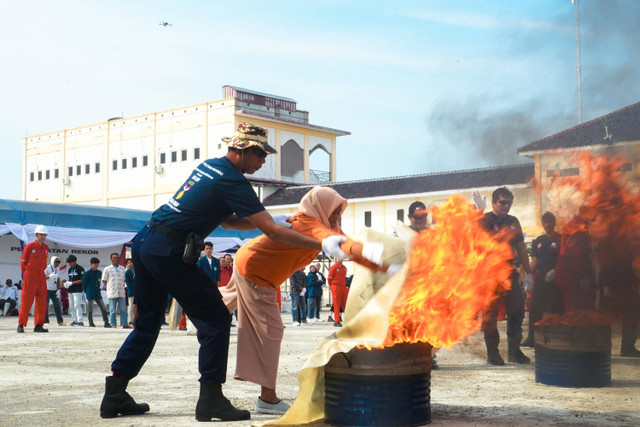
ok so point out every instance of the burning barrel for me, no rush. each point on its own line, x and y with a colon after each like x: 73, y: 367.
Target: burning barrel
x: 573, y: 356
x: 379, y: 387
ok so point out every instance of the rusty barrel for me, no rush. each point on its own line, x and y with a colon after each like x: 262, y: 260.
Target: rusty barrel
x: 379, y: 387
x: 573, y: 356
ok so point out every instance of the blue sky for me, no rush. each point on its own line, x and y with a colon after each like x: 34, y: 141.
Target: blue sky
x: 423, y: 86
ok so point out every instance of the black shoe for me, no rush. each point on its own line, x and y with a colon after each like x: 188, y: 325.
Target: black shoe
x: 337, y: 324
x: 39, y: 328
x: 117, y: 401
x: 107, y: 325
x: 434, y: 364
x: 494, y: 358
x: 20, y: 329
x: 625, y: 352
x: 518, y: 356
x: 528, y: 342
x: 92, y: 325
x: 213, y: 404
x: 330, y: 319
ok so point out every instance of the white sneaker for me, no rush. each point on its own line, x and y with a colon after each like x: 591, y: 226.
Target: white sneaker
x: 296, y: 323
x: 279, y: 408
x: 320, y: 320
x: 311, y: 320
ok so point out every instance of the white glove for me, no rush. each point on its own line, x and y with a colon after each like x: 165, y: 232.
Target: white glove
x: 528, y: 282
x: 550, y: 276
x: 67, y: 284
x: 373, y: 251
x: 479, y: 201
x: 393, y: 269
x: 54, y: 277
x: 282, y: 219
x: 331, y: 245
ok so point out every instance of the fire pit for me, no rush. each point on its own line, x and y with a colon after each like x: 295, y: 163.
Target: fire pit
x: 379, y: 387
x: 573, y: 356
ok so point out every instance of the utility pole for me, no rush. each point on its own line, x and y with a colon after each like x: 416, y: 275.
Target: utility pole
x: 578, y: 66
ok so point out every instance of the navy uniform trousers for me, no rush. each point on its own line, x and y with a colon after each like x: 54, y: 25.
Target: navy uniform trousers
x: 513, y: 302
x: 157, y: 258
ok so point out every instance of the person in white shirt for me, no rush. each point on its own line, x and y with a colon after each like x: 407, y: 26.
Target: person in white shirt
x: 52, y: 273
x: 9, y: 295
x: 113, y: 278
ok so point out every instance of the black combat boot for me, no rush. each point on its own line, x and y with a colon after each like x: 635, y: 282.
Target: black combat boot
x: 515, y: 354
x: 213, y: 404
x: 117, y: 401
x: 493, y: 355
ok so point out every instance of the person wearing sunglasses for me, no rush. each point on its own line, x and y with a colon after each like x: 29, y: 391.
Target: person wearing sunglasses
x: 165, y: 252
x: 506, y: 227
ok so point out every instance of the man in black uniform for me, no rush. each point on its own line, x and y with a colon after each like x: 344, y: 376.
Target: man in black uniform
x: 75, y: 290
x: 494, y: 222
x: 544, y: 258
x: 215, y: 193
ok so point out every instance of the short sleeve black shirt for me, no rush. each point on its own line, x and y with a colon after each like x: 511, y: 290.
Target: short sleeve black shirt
x: 214, y: 191
x: 493, y: 224
x: 75, y: 273
x: 547, y: 250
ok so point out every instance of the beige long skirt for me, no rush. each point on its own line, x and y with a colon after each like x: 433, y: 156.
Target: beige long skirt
x: 260, y: 330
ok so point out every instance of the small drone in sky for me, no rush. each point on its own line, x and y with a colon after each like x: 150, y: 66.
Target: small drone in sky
x: 165, y: 24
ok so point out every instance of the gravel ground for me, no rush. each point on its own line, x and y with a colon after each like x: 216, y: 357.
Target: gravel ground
x: 57, y: 379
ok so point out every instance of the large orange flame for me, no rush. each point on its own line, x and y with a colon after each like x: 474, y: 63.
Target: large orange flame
x: 607, y: 216
x: 456, y: 270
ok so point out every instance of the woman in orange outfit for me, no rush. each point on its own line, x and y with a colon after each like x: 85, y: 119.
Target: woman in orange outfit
x: 262, y: 265
x: 32, y: 264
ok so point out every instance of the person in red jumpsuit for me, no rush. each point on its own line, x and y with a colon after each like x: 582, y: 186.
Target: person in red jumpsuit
x: 34, y: 284
x: 337, y: 279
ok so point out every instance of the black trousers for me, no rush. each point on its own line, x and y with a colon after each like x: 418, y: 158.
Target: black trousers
x: 159, y: 270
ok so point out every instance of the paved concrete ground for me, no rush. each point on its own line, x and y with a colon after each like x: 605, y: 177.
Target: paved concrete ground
x: 58, y: 378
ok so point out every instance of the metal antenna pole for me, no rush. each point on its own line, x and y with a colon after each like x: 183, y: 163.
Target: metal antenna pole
x: 578, y: 66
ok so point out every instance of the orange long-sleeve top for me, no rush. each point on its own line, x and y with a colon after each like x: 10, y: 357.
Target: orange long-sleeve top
x: 34, y: 259
x: 269, y: 263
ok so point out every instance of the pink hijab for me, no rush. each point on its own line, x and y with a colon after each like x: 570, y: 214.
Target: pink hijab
x: 320, y: 202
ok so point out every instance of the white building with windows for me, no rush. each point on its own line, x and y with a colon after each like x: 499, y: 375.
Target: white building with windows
x: 138, y: 162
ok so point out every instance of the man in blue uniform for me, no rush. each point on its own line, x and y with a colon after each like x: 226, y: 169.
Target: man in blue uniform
x: 210, y: 264
x: 165, y: 252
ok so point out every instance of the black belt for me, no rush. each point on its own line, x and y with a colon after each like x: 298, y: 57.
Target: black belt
x: 166, y: 230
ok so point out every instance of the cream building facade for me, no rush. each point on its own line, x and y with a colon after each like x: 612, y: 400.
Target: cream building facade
x: 138, y: 162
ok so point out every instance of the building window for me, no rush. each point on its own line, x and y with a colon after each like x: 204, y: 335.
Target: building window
x: 134, y: 162
x: 570, y: 172
x: 56, y: 173
x: 400, y: 214
x: 39, y: 175
x: 174, y: 156
x: 367, y: 218
x: 163, y: 158
x: 47, y: 174
x: 184, y: 155
x: 31, y: 176
x: 78, y: 170
x: 114, y: 165
x: 145, y: 160
x: 626, y: 167
x: 124, y: 163
x: 96, y: 167
x: 196, y: 153
x: 70, y: 171
x: 87, y: 169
